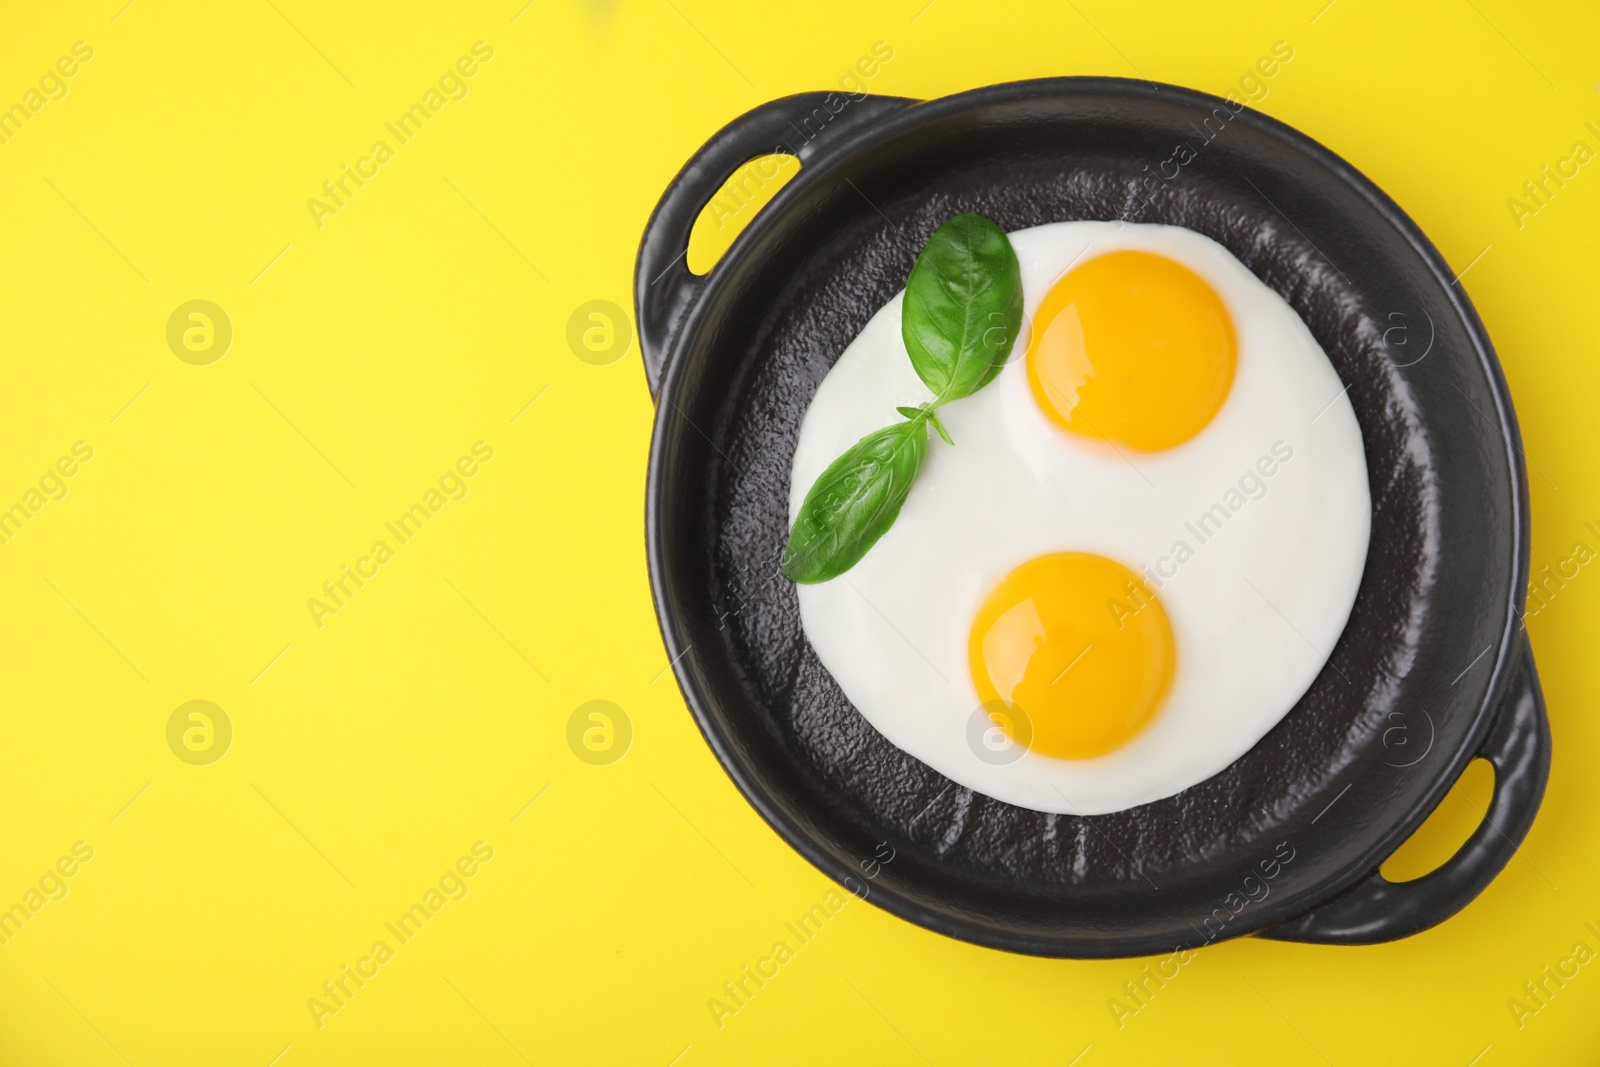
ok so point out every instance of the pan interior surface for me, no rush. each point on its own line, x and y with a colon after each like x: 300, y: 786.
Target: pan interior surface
x: 1250, y: 844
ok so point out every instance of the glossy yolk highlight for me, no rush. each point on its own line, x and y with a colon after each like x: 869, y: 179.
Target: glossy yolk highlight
x: 1133, y: 348
x: 1081, y: 649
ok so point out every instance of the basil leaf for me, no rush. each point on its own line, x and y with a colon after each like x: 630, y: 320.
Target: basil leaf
x: 854, y: 502
x: 963, y: 307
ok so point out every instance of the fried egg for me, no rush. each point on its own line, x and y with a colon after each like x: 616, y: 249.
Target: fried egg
x: 1139, y: 551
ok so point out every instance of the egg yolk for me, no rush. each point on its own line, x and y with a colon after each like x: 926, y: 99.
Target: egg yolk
x: 1132, y: 348
x: 1079, y: 645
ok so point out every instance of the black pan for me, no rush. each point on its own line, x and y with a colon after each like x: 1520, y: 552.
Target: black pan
x: 1432, y: 670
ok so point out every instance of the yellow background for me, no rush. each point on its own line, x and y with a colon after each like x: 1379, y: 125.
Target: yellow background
x: 369, y: 353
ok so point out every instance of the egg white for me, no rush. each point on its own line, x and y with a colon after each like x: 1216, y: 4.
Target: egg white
x: 1255, y: 607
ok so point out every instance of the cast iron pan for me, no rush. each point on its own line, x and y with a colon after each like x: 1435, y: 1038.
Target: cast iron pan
x: 1432, y: 670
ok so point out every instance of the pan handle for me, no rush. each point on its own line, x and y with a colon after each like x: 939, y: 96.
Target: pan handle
x: 802, y: 126
x: 1375, y: 909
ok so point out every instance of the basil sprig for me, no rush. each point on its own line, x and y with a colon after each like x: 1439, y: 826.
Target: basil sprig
x: 959, y: 320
